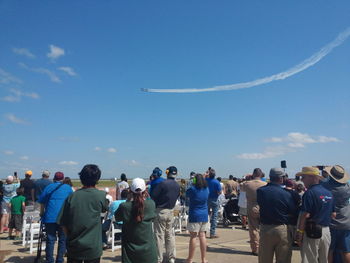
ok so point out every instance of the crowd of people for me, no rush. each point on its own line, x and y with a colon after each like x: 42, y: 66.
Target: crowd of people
x: 311, y: 211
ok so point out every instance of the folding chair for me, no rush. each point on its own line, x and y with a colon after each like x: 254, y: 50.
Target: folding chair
x: 28, y: 219
x: 112, y: 231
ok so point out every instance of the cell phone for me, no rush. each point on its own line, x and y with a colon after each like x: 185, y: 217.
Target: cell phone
x: 15, y: 174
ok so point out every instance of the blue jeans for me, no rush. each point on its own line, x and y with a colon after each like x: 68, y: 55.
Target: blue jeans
x: 52, y: 231
x: 213, y: 205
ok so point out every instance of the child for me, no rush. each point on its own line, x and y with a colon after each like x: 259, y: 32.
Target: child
x: 17, y: 206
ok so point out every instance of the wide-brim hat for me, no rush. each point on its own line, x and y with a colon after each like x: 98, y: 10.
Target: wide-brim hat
x: 309, y: 170
x: 338, y: 173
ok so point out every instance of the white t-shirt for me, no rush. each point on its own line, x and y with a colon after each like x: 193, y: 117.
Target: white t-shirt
x: 121, y: 186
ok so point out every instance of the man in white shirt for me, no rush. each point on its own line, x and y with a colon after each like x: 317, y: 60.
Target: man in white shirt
x: 122, y: 185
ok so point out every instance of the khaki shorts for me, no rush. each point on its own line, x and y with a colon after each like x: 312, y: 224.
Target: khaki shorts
x: 198, y: 227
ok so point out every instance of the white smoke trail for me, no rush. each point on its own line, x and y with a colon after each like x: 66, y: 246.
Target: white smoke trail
x: 279, y: 76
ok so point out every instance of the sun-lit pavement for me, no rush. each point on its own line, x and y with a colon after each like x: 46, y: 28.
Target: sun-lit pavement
x: 231, y: 246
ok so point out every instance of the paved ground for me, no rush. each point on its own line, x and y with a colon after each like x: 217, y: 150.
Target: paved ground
x: 231, y: 246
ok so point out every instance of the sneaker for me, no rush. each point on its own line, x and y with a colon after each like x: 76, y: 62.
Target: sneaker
x: 172, y: 260
x: 214, y: 236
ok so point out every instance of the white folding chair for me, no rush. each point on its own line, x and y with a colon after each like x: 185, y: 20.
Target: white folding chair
x: 34, y: 236
x: 111, y: 235
x: 28, y: 219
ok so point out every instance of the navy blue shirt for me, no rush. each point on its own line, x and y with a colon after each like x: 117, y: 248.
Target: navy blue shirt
x: 166, y: 193
x: 198, y: 209
x: 39, y: 186
x: 318, y: 201
x: 276, y: 205
x: 214, y: 187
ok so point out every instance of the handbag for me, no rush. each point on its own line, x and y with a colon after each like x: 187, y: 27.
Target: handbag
x: 312, y: 229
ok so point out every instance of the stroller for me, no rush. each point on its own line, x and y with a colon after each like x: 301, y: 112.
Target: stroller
x: 230, y: 213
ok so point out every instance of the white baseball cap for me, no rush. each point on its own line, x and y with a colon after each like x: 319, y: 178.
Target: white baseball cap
x: 137, y: 185
x: 9, y: 179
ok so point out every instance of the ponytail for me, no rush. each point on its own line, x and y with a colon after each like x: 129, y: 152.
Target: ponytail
x: 138, y: 207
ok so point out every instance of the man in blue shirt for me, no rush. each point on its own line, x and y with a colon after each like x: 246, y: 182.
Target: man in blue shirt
x: 317, y: 206
x: 40, y: 184
x: 51, y: 200
x: 276, y: 206
x: 156, y: 174
x: 213, y: 204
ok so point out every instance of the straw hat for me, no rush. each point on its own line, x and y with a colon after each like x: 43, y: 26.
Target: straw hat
x: 309, y: 170
x: 338, y: 173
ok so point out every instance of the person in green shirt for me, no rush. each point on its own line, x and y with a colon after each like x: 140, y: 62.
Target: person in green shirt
x: 17, y: 205
x: 138, y: 241
x: 80, y: 218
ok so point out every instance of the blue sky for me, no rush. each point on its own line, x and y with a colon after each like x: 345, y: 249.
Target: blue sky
x: 71, y: 75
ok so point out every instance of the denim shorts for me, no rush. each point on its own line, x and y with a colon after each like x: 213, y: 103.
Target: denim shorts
x: 340, y: 240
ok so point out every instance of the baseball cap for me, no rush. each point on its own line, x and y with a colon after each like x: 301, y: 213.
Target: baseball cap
x: 58, y: 176
x: 138, y: 185
x: 9, y: 179
x: 29, y: 172
x: 276, y: 173
x: 172, y: 171
x: 46, y: 173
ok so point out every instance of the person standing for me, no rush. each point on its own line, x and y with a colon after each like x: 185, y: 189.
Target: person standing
x: 9, y: 191
x: 51, y: 200
x: 231, y: 187
x: 317, y: 208
x: 40, y: 184
x: 213, y: 204
x: 276, y: 205
x: 197, y: 225
x: 250, y: 187
x: 28, y: 186
x: 157, y: 179
x: 80, y: 218
x: 138, y: 242
x: 122, y: 185
x: 165, y: 195
x: 17, y: 205
x: 340, y: 225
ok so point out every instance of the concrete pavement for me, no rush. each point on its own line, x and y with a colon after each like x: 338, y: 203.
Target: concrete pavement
x: 231, y: 246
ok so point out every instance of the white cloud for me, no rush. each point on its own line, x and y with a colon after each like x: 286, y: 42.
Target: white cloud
x: 269, y: 152
x: 8, y: 152
x: 12, y: 118
x: 290, y: 143
x: 55, y: 52
x: 111, y: 150
x: 23, y: 52
x: 97, y: 148
x: 53, y: 77
x: 298, y: 140
x: 7, y: 78
x: 24, y: 158
x: 17, y: 94
x: 68, y: 70
x: 68, y: 163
